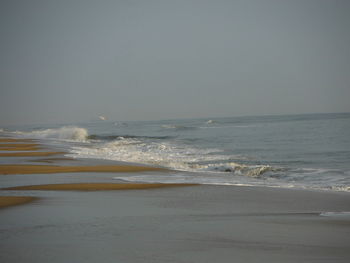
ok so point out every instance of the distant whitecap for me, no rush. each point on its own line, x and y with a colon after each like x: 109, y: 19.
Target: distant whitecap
x: 336, y: 214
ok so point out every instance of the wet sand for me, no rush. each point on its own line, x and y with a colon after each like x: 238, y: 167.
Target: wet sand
x: 11, y: 147
x: 183, y: 224
x: 6, y: 201
x: 47, y: 169
x: 15, y: 140
x: 93, y: 186
x: 19, y: 147
x: 53, y: 160
x: 75, y: 219
x: 29, y: 154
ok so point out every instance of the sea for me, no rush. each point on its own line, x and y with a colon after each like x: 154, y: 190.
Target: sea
x: 309, y: 151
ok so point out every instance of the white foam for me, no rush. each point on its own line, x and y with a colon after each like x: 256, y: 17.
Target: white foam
x: 226, y: 126
x: 63, y: 133
x: 240, y: 169
x: 196, y: 178
x: 170, y: 155
x: 336, y: 214
x: 343, y: 188
x: 311, y: 171
x: 133, y: 150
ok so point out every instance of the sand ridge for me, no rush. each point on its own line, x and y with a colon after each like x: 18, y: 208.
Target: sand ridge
x: 53, y: 160
x: 6, y: 201
x: 45, y: 169
x: 15, y: 140
x: 18, y: 145
x: 11, y: 147
x: 29, y: 154
x: 20, y: 148
x: 95, y: 186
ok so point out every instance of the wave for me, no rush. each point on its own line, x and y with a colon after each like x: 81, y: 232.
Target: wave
x: 169, y: 155
x: 64, y: 133
x: 232, y: 167
x: 341, y: 188
x: 140, y: 151
x: 178, y: 127
x: 336, y: 214
x: 121, y: 137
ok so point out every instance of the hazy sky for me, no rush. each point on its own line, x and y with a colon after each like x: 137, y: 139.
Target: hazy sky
x: 69, y: 61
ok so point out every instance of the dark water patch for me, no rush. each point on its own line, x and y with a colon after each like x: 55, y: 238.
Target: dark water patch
x: 179, y: 127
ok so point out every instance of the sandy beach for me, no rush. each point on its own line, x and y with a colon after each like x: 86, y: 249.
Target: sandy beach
x: 137, y: 131
x: 28, y: 154
x: 19, y: 147
x: 15, y: 140
x: 93, y: 187
x: 6, y: 201
x: 79, y: 214
x: 46, y: 169
x: 186, y: 224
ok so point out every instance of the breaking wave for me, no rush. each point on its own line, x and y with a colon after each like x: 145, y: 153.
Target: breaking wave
x: 120, y: 137
x: 170, y: 155
x: 64, y: 133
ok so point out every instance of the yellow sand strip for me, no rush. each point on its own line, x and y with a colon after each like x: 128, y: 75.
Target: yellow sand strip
x: 18, y: 144
x: 94, y: 186
x: 19, y: 147
x: 6, y: 201
x: 15, y: 140
x: 45, y: 169
x: 24, y: 148
x: 24, y: 154
x: 53, y: 160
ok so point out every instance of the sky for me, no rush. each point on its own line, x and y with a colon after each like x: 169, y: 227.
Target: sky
x: 72, y: 60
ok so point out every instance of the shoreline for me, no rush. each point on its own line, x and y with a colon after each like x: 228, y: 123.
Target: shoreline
x: 29, y: 154
x: 53, y: 165
x: 48, y: 169
x: 82, y: 214
x: 185, y: 224
x: 94, y: 186
x: 8, y: 201
x: 8, y: 139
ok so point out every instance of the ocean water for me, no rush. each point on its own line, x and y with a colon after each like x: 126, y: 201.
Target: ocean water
x: 309, y: 151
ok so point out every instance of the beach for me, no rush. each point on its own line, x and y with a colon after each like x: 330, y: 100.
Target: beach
x: 175, y: 131
x: 78, y: 214
x: 191, y: 224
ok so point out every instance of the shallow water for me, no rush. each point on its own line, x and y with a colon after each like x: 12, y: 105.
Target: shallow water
x: 303, y: 151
